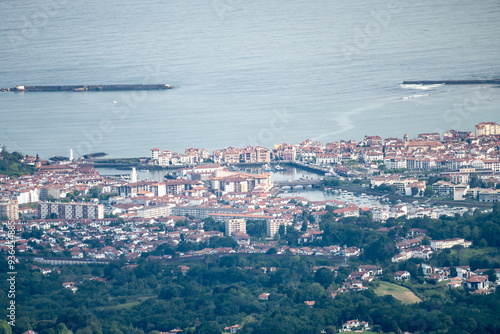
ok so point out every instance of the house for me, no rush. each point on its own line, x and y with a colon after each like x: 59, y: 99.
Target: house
x: 264, y: 296
x: 360, y: 275
x: 463, y: 272
x: 310, y: 235
x: 184, y: 269
x: 415, y: 232
x: 232, y: 329
x: 351, y: 251
x: 241, y: 238
x: 402, y: 276
x: 478, y: 282
x: 371, y: 269
x: 354, y: 325
x: 354, y: 286
x: 403, y: 256
x: 455, y: 282
x: 349, y: 211
x: 436, y: 277
x: 310, y: 303
x: 409, y: 243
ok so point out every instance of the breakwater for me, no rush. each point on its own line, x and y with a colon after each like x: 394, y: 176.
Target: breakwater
x: 453, y: 82
x: 87, y: 88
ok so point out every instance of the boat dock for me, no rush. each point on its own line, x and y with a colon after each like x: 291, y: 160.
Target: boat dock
x: 87, y: 88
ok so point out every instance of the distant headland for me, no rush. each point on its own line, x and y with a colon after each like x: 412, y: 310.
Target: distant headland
x: 87, y: 88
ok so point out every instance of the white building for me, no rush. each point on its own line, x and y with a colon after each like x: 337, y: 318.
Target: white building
x: 487, y: 129
x: 402, y: 276
x: 273, y: 226
x: 354, y: 325
x: 155, y: 153
x: 233, y: 225
x: 155, y: 211
x: 449, y: 243
x: 74, y: 210
x: 395, y: 163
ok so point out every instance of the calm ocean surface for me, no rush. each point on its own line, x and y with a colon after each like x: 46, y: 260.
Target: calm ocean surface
x: 254, y: 73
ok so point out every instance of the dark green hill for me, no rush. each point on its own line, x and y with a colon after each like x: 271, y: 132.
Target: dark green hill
x: 12, y: 164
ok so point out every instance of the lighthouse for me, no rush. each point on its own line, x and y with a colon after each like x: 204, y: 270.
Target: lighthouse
x: 133, y: 175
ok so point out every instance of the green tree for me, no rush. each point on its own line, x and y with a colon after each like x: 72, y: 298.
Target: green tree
x: 492, y: 277
x: 209, y: 327
x: 282, y: 230
x: 5, y: 327
x: 62, y: 329
x: 324, y: 276
x: 271, y: 250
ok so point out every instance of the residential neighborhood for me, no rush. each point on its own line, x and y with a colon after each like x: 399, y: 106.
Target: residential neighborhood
x: 374, y: 224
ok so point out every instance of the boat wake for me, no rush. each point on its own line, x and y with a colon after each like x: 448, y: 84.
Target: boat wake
x: 414, y: 96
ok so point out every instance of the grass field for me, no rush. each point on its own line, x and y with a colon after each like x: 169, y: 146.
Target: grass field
x: 427, y: 291
x: 400, y: 293
x: 127, y: 305
x: 467, y: 253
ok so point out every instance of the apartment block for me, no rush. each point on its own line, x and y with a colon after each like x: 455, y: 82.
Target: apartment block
x: 73, y: 210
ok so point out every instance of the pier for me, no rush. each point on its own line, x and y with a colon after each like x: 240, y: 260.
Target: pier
x: 453, y: 82
x: 88, y: 88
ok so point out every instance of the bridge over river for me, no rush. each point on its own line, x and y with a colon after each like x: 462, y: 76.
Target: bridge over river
x: 313, y: 183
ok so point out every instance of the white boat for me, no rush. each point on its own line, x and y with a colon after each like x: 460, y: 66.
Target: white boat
x: 278, y: 168
x: 266, y: 168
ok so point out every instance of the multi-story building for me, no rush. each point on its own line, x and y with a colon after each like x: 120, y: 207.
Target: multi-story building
x: 443, y: 188
x: 489, y: 195
x: 290, y: 153
x: 449, y: 243
x: 27, y: 195
x: 154, y: 211
x: 9, y: 208
x: 155, y: 153
x: 273, y: 226
x: 325, y: 159
x: 159, y: 189
x: 73, y: 210
x: 232, y: 156
x: 233, y: 225
x: 165, y: 158
x: 493, y: 164
x: 262, y: 154
x: 395, y: 162
x: 203, y: 211
x: 487, y: 129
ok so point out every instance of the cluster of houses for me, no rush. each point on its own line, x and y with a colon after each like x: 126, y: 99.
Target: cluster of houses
x: 415, y: 210
x: 477, y: 280
x: 110, y: 239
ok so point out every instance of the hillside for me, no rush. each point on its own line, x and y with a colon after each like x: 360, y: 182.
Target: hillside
x: 12, y: 164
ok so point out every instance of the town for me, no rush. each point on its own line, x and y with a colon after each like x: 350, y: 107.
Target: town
x: 229, y: 202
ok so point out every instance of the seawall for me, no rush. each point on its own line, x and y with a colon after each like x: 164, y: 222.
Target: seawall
x: 88, y: 88
x: 453, y: 82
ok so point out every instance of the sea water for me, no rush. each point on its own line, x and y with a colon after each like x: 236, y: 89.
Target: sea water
x: 246, y: 73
